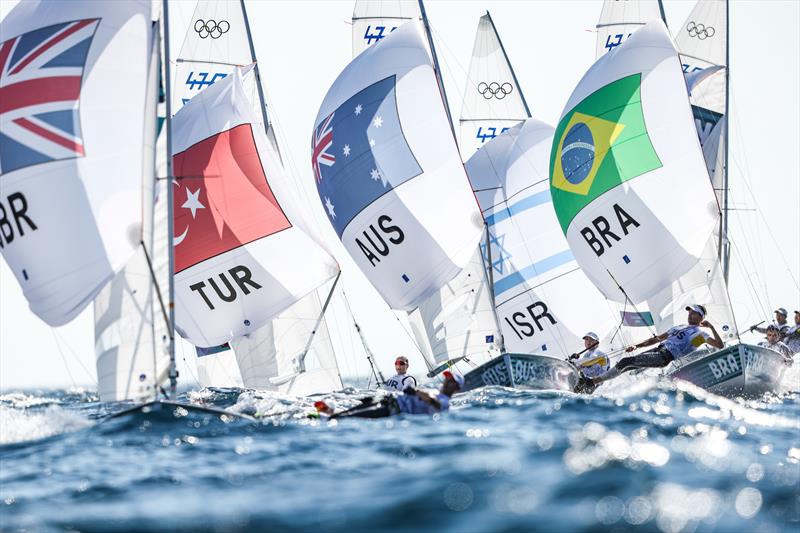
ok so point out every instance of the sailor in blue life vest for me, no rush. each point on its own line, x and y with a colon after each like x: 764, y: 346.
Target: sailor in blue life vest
x: 780, y: 322
x: 592, y: 362
x: 792, y: 338
x: 773, y: 343
x: 414, y: 402
x: 400, y: 381
x: 677, y: 342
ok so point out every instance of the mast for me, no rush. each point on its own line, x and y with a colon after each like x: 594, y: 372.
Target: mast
x: 510, y: 66
x: 436, y: 66
x: 490, y: 275
x: 173, y: 371
x: 663, y: 15
x: 724, y: 246
x: 263, y: 104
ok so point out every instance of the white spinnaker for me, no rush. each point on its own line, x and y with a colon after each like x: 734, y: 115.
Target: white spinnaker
x: 618, y: 20
x: 129, y: 324
x: 628, y: 178
x: 374, y: 20
x: 272, y: 351
x: 67, y: 228
x: 493, y: 100
x: 385, y: 202
x: 240, y: 256
x: 458, y: 320
x: 545, y: 303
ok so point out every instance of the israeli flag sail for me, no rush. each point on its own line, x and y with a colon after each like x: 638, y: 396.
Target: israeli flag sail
x: 544, y: 302
x: 374, y: 20
x: 627, y: 176
x: 493, y: 100
x: 389, y: 175
x: 618, y: 21
x: 72, y: 133
x: 241, y: 255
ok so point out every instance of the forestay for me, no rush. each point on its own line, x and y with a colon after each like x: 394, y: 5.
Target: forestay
x: 618, y: 21
x: 627, y: 176
x: 389, y: 174
x: 545, y: 303
x: 130, y: 326
x: 493, y: 100
x: 374, y: 20
x: 65, y: 227
x: 273, y: 351
x: 237, y: 243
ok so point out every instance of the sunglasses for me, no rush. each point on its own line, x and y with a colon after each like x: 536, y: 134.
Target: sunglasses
x: 401, y: 363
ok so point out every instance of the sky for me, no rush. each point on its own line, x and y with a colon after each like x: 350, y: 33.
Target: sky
x: 303, y: 45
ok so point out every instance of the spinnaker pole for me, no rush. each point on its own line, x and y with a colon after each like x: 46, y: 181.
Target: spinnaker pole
x: 173, y: 371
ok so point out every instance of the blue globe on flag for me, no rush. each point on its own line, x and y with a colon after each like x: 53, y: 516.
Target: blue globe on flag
x: 577, y: 153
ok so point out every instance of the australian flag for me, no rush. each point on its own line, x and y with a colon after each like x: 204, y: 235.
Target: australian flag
x: 359, y: 153
x: 40, y: 85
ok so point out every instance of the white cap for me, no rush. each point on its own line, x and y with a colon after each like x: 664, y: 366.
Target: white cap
x: 592, y: 335
x: 697, y: 309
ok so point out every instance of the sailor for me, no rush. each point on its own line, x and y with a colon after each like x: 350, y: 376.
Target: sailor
x: 677, y: 342
x: 792, y: 338
x: 772, y: 342
x: 780, y: 322
x: 411, y: 402
x: 400, y: 381
x: 592, y: 362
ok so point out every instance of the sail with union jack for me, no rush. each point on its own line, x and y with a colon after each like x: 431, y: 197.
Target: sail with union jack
x: 73, y: 146
x: 40, y: 84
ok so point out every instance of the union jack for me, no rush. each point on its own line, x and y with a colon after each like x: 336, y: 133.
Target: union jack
x: 41, y: 72
x: 323, y: 139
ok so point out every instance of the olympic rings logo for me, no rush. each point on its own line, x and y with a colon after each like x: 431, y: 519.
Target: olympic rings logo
x: 495, y: 90
x: 211, y: 28
x: 701, y: 31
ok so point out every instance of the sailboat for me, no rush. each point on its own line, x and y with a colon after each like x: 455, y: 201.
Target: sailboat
x: 619, y: 168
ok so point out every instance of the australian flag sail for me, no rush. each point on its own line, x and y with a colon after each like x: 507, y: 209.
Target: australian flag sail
x: 389, y: 175
x: 360, y: 153
x: 40, y: 85
x: 72, y: 139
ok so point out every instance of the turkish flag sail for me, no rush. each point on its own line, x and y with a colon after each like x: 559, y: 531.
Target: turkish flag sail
x: 241, y: 253
x: 73, y: 130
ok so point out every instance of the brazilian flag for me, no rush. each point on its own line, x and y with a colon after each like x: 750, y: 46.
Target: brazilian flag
x: 599, y: 144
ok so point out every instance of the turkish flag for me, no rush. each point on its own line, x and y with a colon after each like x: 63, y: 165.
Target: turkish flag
x: 222, y: 198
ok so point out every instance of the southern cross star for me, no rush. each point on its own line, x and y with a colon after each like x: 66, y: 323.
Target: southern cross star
x: 329, y: 207
x: 378, y: 122
x: 358, y: 109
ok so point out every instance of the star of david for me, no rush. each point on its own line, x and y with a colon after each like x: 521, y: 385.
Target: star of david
x: 499, y: 254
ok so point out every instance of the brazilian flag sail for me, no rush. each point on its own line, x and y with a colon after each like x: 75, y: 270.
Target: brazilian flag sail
x: 599, y: 144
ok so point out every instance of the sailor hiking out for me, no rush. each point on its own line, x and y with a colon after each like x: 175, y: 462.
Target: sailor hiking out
x: 773, y: 342
x: 400, y: 381
x: 414, y: 402
x: 677, y: 342
x: 792, y: 338
x: 780, y: 323
x: 591, y: 361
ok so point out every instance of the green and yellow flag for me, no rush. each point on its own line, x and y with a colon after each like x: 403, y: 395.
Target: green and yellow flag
x: 599, y: 144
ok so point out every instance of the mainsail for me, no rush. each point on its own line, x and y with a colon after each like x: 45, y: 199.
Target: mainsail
x: 130, y: 325
x: 545, y: 303
x: 65, y: 227
x: 493, y: 100
x: 234, y: 225
x: 618, y: 21
x: 628, y: 180
x: 374, y: 20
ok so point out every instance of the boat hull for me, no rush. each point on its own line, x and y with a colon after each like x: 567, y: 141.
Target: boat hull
x: 177, y: 409
x: 527, y: 371
x: 742, y: 370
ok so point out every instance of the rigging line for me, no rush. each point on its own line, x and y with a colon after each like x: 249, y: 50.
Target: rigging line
x: 63, y: 359
x: 745, y: 179
x: 753, y: 292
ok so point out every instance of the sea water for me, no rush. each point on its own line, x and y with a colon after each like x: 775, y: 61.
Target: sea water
x: 654, y: 457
